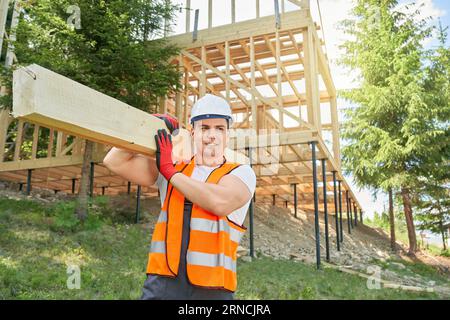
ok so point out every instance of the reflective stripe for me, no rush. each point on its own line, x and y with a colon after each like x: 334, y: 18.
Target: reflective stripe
x: 162, y: 216
x: 158, y: 247
x: 212, y: 226
x: 211, y: 260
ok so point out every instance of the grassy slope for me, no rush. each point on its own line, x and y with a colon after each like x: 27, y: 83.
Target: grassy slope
x: 38, y: 242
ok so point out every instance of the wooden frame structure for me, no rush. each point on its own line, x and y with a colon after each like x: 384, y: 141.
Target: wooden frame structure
x: 274, y: 73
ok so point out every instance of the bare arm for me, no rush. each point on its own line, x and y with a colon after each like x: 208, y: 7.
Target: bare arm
x: 133, y: 167
x: 221, y: 199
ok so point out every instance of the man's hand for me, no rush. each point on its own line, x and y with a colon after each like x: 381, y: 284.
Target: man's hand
x: 171, y: 123
x: 164, y: 154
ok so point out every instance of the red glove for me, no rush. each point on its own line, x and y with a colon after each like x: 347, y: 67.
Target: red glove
x: 164, y: 154
x: 171, y: 122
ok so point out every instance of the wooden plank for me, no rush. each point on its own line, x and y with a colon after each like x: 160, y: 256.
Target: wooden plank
x: 88, y: 114
x: 253, y: 85
x: 35, y: 141
x: 311, y: 79
x: 57, y: 102
x: 297, y: 19
x: 210, y: 10
x: 188, y: 15
x: 233, y: 11
x: 19, y: 139
x: 203, y: 74
x: 4, y: 122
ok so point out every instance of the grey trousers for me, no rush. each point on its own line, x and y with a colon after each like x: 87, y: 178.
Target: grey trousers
x: 158, y: 287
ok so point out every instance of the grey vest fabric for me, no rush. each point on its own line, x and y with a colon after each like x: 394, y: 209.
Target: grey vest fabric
x: 158, y: 287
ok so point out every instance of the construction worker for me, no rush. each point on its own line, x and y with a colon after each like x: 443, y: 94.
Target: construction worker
x: 203, y: 207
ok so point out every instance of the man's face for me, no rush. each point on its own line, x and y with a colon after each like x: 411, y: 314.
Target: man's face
x: 210, y: 138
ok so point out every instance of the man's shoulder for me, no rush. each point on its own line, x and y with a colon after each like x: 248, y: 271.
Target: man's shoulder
x: 244, y: 170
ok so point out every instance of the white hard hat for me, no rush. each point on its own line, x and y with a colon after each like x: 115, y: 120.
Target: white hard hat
x: 211, y: 106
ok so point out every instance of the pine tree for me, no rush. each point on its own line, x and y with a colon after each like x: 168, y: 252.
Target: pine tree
x: 395, y: 130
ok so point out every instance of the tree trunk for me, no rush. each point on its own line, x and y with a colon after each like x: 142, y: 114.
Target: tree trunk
x: 407, y: 208
x: 441, y: 227
x: 392, y: 220
x: 81, y: 209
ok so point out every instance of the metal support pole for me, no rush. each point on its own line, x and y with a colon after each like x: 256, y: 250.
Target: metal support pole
x: 348, y: 213
x: 336, y: 212
x: 194, y: 34
x: 341, y: 228
x: 73, y: 185
x: 273, y: 200
x: 361, y: 216
x: 91, y: 181
x: 355, y: 210
x: 138, y: 203
x: 129, y: 187
x: 251, y: 209
x: 316, y: 204
x: 29, y: 182
x: 325, y: 208
x: 295, y: 200
x: 277, y: 14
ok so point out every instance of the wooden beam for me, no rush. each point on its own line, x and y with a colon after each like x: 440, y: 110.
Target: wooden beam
x: 86, y: 113
x: 4, y: 123
x: 19, y: 139
x: 311, y: 79
x: 252, y: 78
x: 297, y: 19
x: 35, y: 141
x: 188, y: 16
x: 240, y: 86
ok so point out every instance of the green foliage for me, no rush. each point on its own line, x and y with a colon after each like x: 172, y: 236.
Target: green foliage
x: 111, y: 52
x: 397, y: 135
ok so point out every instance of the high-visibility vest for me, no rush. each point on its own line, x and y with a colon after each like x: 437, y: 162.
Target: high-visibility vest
x: 213, y: 240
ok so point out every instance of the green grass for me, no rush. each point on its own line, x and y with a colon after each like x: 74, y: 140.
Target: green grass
x: 38, y: 242
x: 265, y: 278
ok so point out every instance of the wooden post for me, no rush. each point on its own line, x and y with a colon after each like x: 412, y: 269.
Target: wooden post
x: 3, y: 18
x: 233, y: 11
x: 188, y: 15
x: 258, y: 9
x: 203, y: 75
x: 59, y: 137
x: 4, y: 121
x: 210, y: 14
x: 35, y: 141
x: 335, y: 131
x: 50, y: 143
x: 311, y: 79
x: 12, y: 35
x: 253, y: 85
x: 227, y: 70
x: 19, y: 139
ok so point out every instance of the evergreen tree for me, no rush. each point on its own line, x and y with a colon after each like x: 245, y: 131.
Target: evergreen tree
x: 395, y: 130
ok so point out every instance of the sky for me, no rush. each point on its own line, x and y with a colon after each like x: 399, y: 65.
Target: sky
x: 332, y: 11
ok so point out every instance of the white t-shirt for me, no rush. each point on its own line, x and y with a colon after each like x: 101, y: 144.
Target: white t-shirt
x: 201, y: 173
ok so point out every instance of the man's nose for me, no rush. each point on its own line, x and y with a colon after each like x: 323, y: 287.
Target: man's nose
x: 211, y: 134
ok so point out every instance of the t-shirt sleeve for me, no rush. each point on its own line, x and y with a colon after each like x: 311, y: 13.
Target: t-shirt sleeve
x: 247, y: 176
